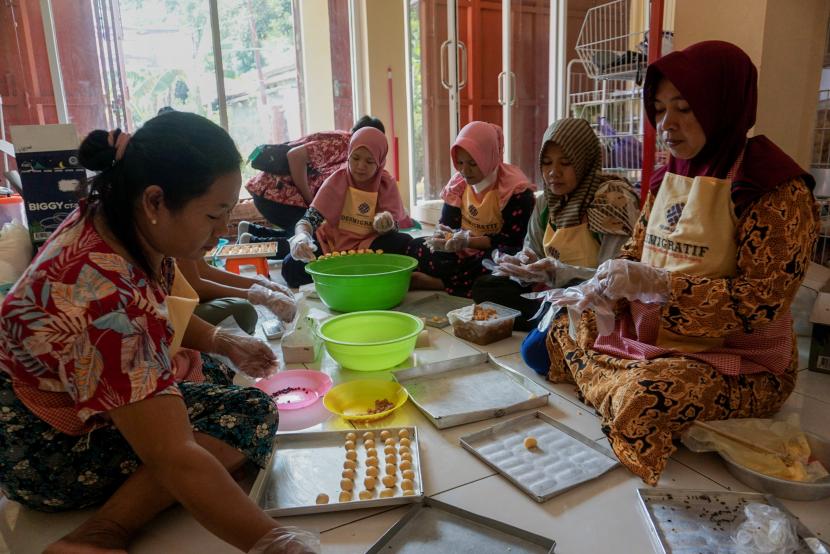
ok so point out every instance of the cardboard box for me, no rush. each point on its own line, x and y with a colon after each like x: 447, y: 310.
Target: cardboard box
x: 820, y: 338
x: 47, y: 159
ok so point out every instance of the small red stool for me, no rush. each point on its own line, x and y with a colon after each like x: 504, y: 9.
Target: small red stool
x: 259, y: 263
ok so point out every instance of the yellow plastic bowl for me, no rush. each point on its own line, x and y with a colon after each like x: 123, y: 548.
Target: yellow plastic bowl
x: 354, y: 399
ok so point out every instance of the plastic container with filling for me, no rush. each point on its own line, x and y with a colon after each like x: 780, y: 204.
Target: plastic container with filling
x: 355, y: 282
x: 371, y: 341
x: 498, y: 327
x: 11, y: 209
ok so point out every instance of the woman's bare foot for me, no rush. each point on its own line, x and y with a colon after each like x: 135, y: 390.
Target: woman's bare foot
x: 94, y: 536
x: 422, y: 281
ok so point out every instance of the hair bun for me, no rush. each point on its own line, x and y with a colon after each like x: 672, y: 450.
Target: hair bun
x: 95, y: 152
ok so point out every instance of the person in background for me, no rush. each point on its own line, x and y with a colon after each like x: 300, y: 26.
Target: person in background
x: 358, y: 207
x: 487, y: 205
x: 109, y: 393
x: 582, y: 220
x: 696, y: 311
x: 223, y: 294
x: 284, y: 199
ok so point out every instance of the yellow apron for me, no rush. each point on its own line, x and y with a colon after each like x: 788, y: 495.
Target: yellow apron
x: 572, y: 245
x: 481, y: 217
x: 691, y: 230
x: 181, y: 302
x: 358, y: 212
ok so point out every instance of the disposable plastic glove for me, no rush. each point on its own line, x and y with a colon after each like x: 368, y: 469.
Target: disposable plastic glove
x: 302, y: 247
x: 280, y: 304
x: 384, y: 223
x: 540, y: 271
x: 446, y: 239
x: 583, y: 297
x: 459, y: 241
x: 276, y: 287
x: 287, y: 540
x: 250, y: 356
x: 618, y: 279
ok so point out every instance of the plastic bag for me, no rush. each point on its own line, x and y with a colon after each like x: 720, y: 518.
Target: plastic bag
x: 782, y: 435
x: 767, y: 530
x: 15, y: 251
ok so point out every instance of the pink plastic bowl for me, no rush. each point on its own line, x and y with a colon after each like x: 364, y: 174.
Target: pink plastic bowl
x: 293, y: 389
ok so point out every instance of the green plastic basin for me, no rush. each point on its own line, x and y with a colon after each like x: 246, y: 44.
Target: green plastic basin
x: 358, y: 282
x: 371, y: 341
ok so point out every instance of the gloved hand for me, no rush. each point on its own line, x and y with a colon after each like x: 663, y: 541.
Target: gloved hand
x: 287, y: 540
x: 618, y: 279
x: 445, y: 239
x: 383, y: 223
x: 250, y: 356
x: 280, y: 304
x: 276, y: 287
x: 524, y: 257
x: 540, y: 271
x: 302, y: 247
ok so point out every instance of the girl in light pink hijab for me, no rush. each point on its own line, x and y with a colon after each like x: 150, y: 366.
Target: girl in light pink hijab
x: 358, y: 207
x: 487, y: 205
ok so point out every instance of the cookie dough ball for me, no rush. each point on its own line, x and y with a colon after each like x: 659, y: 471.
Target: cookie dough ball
x: 408, y: 474
x: 407, y: 485
x: 349, y: 474
x: 385, y: 435
x: 389, y: 442
x: 372, y: 461
x: 389, y: 450
x: 391, y: 469
x: 351, y: 437
x: 349, y: 445
x: 366, y: 495
x: 369, y: 443
x: 409, y: 493
x: 322, y: 498
x: 372, y: 471
x: 351, y: 455
x: 387, y: 493
x: 403, y: 433
x: 405, y: 464
x: 369, y: 483
x: 530, y: 443
x: 371, y: 453
x: 349, y: 464
x: 391, y: 459
x: 346, y: 484
x: 368, y: 435
x: 406, y: 456
x: 405, y: 442
x: 389, y: 481
x: 345, y: 496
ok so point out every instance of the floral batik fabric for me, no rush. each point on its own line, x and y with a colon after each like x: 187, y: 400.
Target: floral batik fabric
x: 47, y: 470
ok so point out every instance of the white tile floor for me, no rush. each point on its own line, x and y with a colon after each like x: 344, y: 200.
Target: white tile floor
x: 599, y: 516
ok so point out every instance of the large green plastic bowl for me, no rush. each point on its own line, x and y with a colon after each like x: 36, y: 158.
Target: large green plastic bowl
x: 371, y: 341
x: 358, y: 282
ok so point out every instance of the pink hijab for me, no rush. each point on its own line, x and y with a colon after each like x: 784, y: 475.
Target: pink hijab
x: 485, y: 144
x: 329, y: 200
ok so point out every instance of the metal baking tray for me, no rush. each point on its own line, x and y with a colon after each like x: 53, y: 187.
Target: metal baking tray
x: 248, y: 250
x: 471, y: 388
x: 433, y: 526
x: 687, y: 521
x: 562, y: 460
x: 303, y: 465
x: 434, y: 308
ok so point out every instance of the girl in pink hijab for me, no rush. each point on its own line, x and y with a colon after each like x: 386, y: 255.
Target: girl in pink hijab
x: 359, y: 206
x: 487, y: 205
